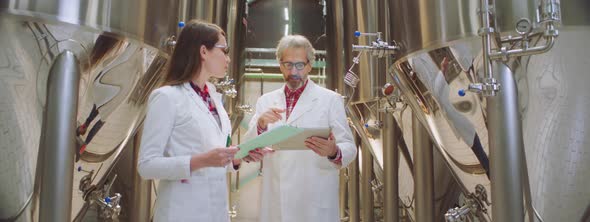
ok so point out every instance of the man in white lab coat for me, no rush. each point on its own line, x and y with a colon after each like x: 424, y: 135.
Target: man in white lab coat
x: 302, y: 185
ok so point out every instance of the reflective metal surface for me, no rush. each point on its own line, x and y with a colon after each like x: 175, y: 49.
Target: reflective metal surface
x: 427, y: 92
x: 424, y: 25
x: 122, y: 48
x: 439, y: 59
x: 148, y: 21
x: 506, y: 147
x: 22, y: 129
x: 371, y: 18
x: 372, y: 131
x: 57, y: 141
x: 553, y: 96
x: 118, y: 72
x: 236, y: 37
x: 391, y: 137
x: 206, y: 10
x: 340, y: 26
x: 423, y: 172
x: 366, y: 188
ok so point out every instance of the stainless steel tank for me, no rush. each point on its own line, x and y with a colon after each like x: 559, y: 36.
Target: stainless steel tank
x: 121, y: 48
x: 370, y: 104
x: 552, y: 97
x: 441, y: 54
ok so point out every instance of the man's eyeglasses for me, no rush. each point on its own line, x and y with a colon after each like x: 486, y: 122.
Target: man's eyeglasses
x: 225, y: 48
x: 298, y: 65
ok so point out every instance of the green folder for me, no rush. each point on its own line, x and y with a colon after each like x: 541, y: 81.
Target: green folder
x: 268, y: 138
x: 279, y: 135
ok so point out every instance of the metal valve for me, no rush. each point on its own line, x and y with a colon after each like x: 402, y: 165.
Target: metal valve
x: 244, y: 108
x: 171, y: 41
x: 359, y: 34
x: 86, y: 181
x: 474, y: 203
x: 377, y: 48
x: 227, y: 87
x: 489, y: 87
x: 109, y: 207
x: 374, y: 124
x: 457, y: 214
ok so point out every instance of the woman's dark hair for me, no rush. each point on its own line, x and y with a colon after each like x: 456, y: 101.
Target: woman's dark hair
x: 104, y: 47
x: 186, y: 58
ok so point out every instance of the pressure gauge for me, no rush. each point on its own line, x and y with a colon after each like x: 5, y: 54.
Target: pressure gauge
x: 524, y: 26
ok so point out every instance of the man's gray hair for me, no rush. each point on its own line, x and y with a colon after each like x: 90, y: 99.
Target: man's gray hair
x: 295, y: 41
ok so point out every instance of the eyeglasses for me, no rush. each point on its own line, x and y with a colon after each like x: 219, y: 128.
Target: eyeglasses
x: 298, y: 65
x: 225, y: 48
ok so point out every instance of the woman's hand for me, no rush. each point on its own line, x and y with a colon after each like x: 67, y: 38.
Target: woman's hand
x: 218, y: 157
x: 257, y: 154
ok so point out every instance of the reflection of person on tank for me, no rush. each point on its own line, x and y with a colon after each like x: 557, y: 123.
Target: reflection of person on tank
x: 110, y: 86
x: 104, y: 48
x: 82, y: 128
x: 435, y: 81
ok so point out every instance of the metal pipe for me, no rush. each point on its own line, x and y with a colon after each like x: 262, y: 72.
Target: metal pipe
x: 274, y: 50
x: 250, y: 76
x: 58, y: 141
x: 528, y: 201
x: 353, y: 190
x: 335, y: 32
x: 353, y: 180
x: 357, y: 125
x: 390, y: 136
x: 220, y: 17
x: 342, y: 193
x: 366, y: 186
x: 506, y: 144
x: 423, y: 172
x: 524, y: 51
x: 485, y: 32
x: 390, y: 49
x: 236, y: 38
x: 141, y: 194
x: 349, y: 18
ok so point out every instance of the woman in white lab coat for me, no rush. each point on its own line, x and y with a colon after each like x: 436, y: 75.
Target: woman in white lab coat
x: 186, y: 131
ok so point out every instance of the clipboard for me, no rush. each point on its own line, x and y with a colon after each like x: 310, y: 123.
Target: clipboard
x: 297, y: 142
x: 282, y: 138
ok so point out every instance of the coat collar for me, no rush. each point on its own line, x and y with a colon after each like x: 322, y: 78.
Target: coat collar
x: 215, y: 96
x: 306, y: 101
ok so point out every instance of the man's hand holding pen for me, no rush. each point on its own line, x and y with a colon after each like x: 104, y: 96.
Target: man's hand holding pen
x: 270, y: 116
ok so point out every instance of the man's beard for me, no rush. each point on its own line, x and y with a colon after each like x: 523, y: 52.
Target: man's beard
x: 295, y: 81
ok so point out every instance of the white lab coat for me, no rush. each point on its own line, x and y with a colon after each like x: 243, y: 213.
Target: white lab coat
x: 178, y: 124
x: 300, y: 185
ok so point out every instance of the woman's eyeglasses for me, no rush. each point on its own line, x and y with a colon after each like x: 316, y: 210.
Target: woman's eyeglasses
x: 225, y: 48
x: 298, y: 65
